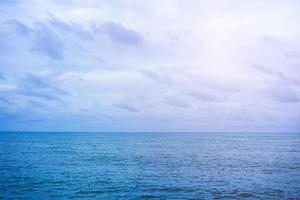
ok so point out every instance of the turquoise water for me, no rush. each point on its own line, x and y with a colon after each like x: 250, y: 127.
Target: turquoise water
x: 149, y: 166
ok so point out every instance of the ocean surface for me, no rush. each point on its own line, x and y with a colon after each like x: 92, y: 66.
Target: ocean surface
x: 149, y: 165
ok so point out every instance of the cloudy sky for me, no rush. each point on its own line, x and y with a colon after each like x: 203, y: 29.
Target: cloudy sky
x: 134, y: 65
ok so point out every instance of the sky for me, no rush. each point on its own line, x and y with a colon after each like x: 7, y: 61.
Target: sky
x: 134, y: 65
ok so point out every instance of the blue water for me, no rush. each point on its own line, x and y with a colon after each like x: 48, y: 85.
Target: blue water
x: 149, y: 166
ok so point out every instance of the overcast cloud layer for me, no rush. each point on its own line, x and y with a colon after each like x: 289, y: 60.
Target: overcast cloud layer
x: 171, y: 65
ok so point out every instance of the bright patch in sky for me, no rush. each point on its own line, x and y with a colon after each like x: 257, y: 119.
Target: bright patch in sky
x: 172, y: 65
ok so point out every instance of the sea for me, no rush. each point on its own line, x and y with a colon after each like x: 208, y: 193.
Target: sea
x: 137, y: 165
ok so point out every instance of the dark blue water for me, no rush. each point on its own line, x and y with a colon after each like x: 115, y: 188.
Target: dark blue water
x: 149, y: 166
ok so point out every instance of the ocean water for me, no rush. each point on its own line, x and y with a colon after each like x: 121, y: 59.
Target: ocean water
x: 149, y: 165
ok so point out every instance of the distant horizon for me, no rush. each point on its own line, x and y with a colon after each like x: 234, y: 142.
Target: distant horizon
x: 200, y: 132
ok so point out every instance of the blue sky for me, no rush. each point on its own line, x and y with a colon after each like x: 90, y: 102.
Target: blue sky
x: 172, y: 65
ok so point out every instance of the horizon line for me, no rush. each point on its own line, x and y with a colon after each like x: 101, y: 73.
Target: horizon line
x: 198, y: 132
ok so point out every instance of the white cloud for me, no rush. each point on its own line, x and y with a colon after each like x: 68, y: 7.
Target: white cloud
x: 151, y: 65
